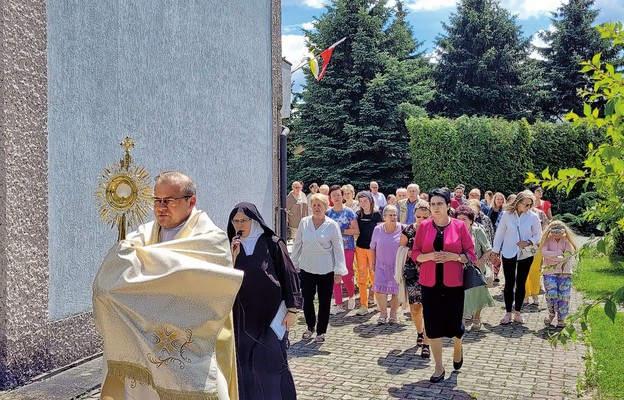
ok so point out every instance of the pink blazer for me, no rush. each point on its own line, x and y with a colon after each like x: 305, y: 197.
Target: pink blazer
x: 457, y: 239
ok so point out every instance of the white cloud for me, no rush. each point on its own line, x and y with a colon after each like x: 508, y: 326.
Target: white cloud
x: 294, y: 48
x: 537, y: 41
x: 429, y: 5
x: 526, y: 9
x: 314, y: 3
x: 308, y: 26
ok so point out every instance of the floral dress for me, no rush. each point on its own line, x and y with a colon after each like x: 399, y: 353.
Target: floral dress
x: 411, y: 271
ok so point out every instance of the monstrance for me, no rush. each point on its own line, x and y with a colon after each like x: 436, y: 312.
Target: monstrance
x: 124, y: 193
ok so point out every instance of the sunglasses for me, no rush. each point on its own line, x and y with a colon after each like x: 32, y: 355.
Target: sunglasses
x: 557, y: 231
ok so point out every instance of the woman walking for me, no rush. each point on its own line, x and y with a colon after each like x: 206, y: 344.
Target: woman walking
x: 384, y: 245
x: 319, y: 255
x: 443, y: 245
x: 516, y: 236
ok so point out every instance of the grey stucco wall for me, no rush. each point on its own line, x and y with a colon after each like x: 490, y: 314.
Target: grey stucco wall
x: 193, y: 84
x: 189, y: 81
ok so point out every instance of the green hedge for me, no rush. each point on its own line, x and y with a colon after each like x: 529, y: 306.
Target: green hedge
x: 495, y: 154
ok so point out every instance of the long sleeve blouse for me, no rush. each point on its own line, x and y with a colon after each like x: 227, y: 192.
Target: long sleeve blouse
x: 554, y: 260
x: 319, y: 250
x: 513, y: 229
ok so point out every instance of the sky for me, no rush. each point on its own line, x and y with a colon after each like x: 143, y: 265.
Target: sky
x: 426, y: 18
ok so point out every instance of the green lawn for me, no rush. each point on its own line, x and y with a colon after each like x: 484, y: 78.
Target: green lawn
x: 596, y: 277
x: 607, y: 368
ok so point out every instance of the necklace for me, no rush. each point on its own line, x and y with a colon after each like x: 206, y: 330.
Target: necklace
x: 440, y: 229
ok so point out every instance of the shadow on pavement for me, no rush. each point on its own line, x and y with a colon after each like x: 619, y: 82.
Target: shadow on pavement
x: 371, y: 329
x: 306, y: 348
x: 427, y: 390
x: 508, y: 331
x: 398, y: 363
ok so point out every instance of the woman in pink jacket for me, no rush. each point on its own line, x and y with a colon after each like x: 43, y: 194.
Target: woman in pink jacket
x: 442, y: 246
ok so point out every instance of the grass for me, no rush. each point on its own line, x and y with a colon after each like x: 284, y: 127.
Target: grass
x: 597, y: 277
x: 606, y: 368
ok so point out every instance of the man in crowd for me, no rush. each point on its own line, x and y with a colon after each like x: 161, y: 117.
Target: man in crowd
x: 401, y: 193
x: 296, y: 208
x: 164, y: 297
x: 406, y: 206
x: 380, y: 198
x: 457, y: 197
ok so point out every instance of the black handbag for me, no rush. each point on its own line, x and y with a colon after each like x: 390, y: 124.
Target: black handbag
x: 472, y: 275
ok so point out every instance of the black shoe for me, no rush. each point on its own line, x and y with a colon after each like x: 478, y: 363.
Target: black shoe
x: 425, y: 352
x: 439, y: 378
x: 458, y: 365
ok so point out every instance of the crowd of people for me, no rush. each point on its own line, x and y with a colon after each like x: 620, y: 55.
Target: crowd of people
x: 187, y: 310
x: 413, y: 248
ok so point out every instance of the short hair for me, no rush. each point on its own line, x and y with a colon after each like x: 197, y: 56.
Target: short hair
x: 320, y: 197
x: 475, y: 205
x: 293, y: 184
x: 460, y: 186
x: 348, y: 187
x: 488, y: 193
x: 188, y: 186
x: 390, y: 207
x: 401, y: 189
x: 333, y: 188
x: 323, y: 186
x: 475, y: 190
x: 465, y: 210
x: 441, y: 192
x: 513, y: 206
x: 313, y: 185
x: 414, y: 185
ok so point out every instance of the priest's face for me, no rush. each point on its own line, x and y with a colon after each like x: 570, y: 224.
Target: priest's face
x: 172, y: 207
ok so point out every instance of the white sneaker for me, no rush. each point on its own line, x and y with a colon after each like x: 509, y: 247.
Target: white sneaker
x: 362, y: 311
x: 336, y: 310
x: 351, y: 303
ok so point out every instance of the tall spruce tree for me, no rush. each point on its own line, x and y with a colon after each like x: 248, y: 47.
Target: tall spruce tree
x: 351, y: 124
x: 573, y: 40
x: 483, y: 67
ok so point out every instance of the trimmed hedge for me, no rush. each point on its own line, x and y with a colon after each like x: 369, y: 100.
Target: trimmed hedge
x: 495, y: 154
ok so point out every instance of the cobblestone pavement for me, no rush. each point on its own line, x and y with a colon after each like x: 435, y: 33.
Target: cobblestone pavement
x: 366, y: 361
x: 361, y: 360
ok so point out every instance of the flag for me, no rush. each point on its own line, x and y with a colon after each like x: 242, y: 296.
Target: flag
x: 314, y: 64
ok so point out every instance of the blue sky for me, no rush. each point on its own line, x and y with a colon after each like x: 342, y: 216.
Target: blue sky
x: 426, y: 17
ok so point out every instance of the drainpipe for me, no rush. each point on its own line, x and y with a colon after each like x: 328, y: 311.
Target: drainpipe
x: 283, y: 182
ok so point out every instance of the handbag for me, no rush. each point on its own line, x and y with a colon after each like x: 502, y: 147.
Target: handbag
x: 472, y: 276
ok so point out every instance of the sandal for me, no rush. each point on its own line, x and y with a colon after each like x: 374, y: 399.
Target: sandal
x: 392, y: 320
x: 420, y: 339
x: 518, y: 319
x: 319, y: 338
x: 548, y: 320
x: 307, y: 335
x: 425, y: 353
x: 561, y: 324
x: 506, y: 320
x: 476, y: 325
x: 381, y: 320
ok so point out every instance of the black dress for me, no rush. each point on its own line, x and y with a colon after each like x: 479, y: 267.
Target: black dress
x: 443, y: 306
x: 411, y: 271
x: 270, y: 277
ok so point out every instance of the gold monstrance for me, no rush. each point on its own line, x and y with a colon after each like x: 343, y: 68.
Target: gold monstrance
x: 124, y: 193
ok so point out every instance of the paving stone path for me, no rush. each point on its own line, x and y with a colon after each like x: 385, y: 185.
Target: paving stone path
x: 363, y: 360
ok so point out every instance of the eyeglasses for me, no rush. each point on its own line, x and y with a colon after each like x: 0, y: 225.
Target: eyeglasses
x: 557, y: 231
x: 527, y: 204
x: 440, y: 204
x: 240, y: 221
x: 391, y: 215
x: 168, y: 201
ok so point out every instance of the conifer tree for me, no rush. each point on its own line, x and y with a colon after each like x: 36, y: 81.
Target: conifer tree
x: 351, y: 124
x: 484, y: 68
x: 573, y: 39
